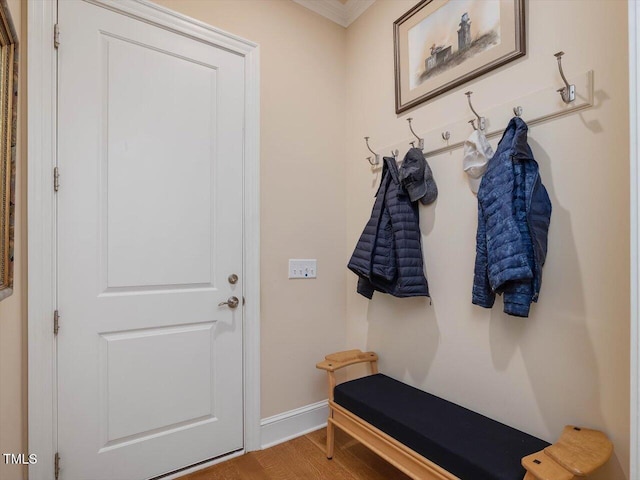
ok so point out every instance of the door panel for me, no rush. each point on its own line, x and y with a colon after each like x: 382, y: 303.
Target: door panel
x: 149, y: 228
x: 146, y: 373
x: 162, y: 153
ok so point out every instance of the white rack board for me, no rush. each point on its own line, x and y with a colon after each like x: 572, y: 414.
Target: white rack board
x: 537, y: 107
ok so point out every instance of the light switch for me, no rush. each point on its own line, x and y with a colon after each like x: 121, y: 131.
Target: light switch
x: 303, y: 268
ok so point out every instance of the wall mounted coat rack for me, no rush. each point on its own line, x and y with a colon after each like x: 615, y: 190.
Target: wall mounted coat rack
x: 534, y: 108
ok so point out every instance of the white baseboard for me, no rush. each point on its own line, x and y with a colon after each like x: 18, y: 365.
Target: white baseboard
x: 294, y: 423
x: 275, y: 430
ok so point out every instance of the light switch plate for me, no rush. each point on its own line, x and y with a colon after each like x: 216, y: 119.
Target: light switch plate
x: 303, y: 268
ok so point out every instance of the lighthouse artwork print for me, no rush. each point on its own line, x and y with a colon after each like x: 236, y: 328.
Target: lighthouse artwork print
x: 442, y: 44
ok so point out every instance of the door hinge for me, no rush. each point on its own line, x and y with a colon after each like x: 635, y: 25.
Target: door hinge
x: 56, y: 36
x: 56, y: 465
x: 56, y: 179
x: 56, y: 322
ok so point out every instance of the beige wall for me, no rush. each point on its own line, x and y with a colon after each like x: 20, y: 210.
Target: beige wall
x: 569, y: 362
x: 303, y: 187
x: 324, y: 88
x: 13, y: 323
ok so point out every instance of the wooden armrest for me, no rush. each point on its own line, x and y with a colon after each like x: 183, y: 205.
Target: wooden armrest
x: 338, y: 360
x: 542, y: 467
x: 581, y: 450
x: 577, y: 453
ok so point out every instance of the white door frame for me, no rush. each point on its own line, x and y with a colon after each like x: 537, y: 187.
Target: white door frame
x: 42, y: 127
x: 634, y: 150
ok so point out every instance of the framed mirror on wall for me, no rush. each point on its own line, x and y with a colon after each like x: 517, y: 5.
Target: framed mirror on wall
x: 8, y: 119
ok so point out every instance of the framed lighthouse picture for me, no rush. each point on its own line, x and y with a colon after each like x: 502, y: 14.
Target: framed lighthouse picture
x: 442, y: 44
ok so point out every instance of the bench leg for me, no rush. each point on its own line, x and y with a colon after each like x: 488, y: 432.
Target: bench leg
x: 330, y: 438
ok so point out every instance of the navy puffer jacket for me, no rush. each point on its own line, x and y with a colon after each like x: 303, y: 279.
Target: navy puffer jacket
x: 514, y: 212
x: 388, y: 256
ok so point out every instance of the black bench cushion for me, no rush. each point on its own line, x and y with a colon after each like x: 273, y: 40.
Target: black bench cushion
x: 465, y: 443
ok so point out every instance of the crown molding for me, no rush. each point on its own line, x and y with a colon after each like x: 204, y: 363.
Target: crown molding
x: 336, y: 11
x: 355, y: 8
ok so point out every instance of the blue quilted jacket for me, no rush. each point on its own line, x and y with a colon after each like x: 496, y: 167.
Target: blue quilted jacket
x: 514, y: 211
x: 388, y: 256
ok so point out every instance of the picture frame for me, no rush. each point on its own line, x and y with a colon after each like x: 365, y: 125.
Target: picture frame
x: 8, y: 124
x: 442, y: 44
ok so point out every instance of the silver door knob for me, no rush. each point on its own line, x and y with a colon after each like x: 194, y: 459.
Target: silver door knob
x: 233, y: 302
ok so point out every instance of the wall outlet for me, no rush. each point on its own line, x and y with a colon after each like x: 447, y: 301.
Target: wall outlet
x: 303, y: 268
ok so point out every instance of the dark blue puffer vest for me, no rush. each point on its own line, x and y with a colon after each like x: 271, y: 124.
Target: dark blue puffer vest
x: 514, y: 212
x: 388, y: 256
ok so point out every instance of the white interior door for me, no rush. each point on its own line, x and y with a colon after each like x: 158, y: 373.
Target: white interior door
x: 150, y: 136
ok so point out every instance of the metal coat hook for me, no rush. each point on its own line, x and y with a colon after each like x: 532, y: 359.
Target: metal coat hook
x: 376, y: 156
x: 446, y: 135
x: 568, y: 92
x: 420, y: 140
x: 473, y: 123
x: 482, y: 122
x: 517, y: 111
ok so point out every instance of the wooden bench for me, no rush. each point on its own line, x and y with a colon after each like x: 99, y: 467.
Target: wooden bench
x: 429, y: 438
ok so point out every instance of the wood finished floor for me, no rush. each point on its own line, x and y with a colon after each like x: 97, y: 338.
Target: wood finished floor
x: 303, y: 458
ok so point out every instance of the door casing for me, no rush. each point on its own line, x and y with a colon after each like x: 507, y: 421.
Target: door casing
x: 42, y: 158
x: 634, y: 150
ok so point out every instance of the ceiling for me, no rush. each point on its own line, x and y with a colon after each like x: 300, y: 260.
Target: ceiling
x: 343, y: 12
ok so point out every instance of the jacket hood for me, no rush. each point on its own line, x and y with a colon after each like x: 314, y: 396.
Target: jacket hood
x: 417, y: 178
x: 515, y: 139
